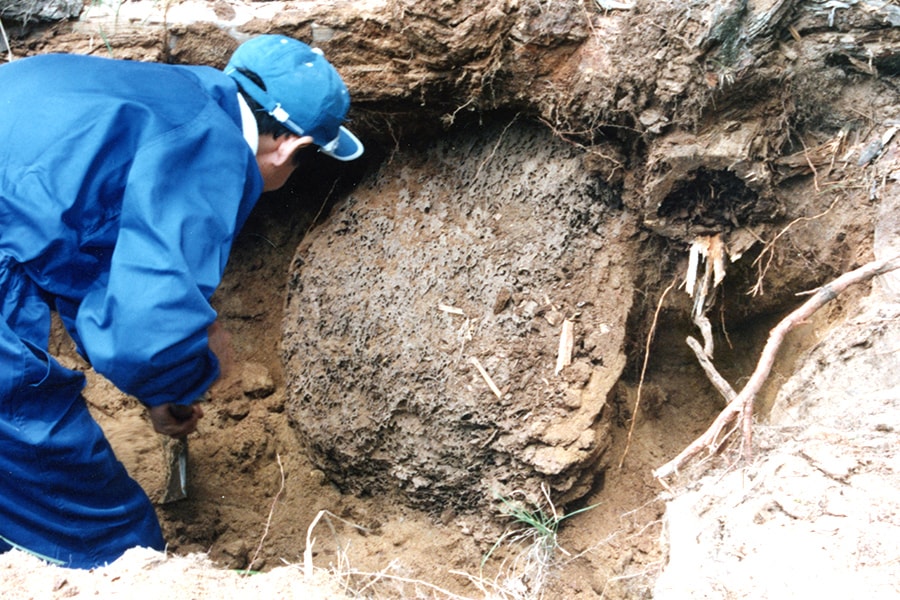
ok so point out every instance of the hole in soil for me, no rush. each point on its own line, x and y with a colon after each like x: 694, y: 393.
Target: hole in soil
x: 710, y: 199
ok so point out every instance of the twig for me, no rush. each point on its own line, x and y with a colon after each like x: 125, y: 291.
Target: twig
x: 742, y: 405
x: 321, y: 208
x: 703, y: 324
x: 810, y: 164
x: 269, y: 518
x: 449, y: 119
x: 487, y: 378
x: 608, y: 5
x: 637, y: 402
x: 713, y: 251
x: 264, y: 238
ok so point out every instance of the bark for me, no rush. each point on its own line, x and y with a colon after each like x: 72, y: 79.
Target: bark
x: 40, y: 10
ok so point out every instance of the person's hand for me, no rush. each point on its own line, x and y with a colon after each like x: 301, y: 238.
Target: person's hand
x: 175, y: 420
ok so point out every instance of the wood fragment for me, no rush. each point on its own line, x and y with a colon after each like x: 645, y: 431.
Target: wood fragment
x: 690, y: 281
x: 451, y: 309
x: 614, y: 5
x: 717, y: 259
x: 566, y: 345
x: 487, y: 378
x: 4, y: 43
x: 712, y: 250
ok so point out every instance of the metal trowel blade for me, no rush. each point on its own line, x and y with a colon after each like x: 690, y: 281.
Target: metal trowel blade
x: 176, y: 451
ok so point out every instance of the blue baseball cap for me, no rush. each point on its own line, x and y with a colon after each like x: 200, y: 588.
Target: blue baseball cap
x: 303, y: 91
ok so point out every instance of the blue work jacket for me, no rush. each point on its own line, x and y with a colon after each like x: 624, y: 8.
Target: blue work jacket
x: 122, y: 187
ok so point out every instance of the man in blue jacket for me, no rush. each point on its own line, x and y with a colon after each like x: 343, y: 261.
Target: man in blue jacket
x: 122, y: 187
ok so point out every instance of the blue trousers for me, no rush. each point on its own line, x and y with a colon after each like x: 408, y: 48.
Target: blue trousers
x: 63, y: 494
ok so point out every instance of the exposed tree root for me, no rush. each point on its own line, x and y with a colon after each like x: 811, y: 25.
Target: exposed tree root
x: 717, y: 380
x: 741, y: 406
x: 637, y: 402
x: 269, y: 518
x: 764, y: 260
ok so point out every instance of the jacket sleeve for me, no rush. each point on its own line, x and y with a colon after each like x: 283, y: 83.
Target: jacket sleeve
x: 144, y: 327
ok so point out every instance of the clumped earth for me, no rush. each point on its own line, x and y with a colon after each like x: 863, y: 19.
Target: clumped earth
x: 468, y: 256
x: 532, y: 164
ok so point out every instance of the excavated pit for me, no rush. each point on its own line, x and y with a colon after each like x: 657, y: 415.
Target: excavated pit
x: 651, y: 135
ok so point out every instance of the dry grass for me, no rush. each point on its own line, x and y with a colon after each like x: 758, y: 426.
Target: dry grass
x: 529, y: 547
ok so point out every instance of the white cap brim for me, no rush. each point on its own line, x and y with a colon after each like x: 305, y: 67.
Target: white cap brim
x: 345, y: 146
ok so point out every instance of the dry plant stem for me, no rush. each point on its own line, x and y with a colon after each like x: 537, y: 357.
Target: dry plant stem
x: 308, y: 568
x: 637, y: 402
x: 742, y: 404
x: 811, y: 165
x: 416, y: 582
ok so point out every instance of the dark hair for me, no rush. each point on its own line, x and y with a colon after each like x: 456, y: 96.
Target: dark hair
x: 265, y: 122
